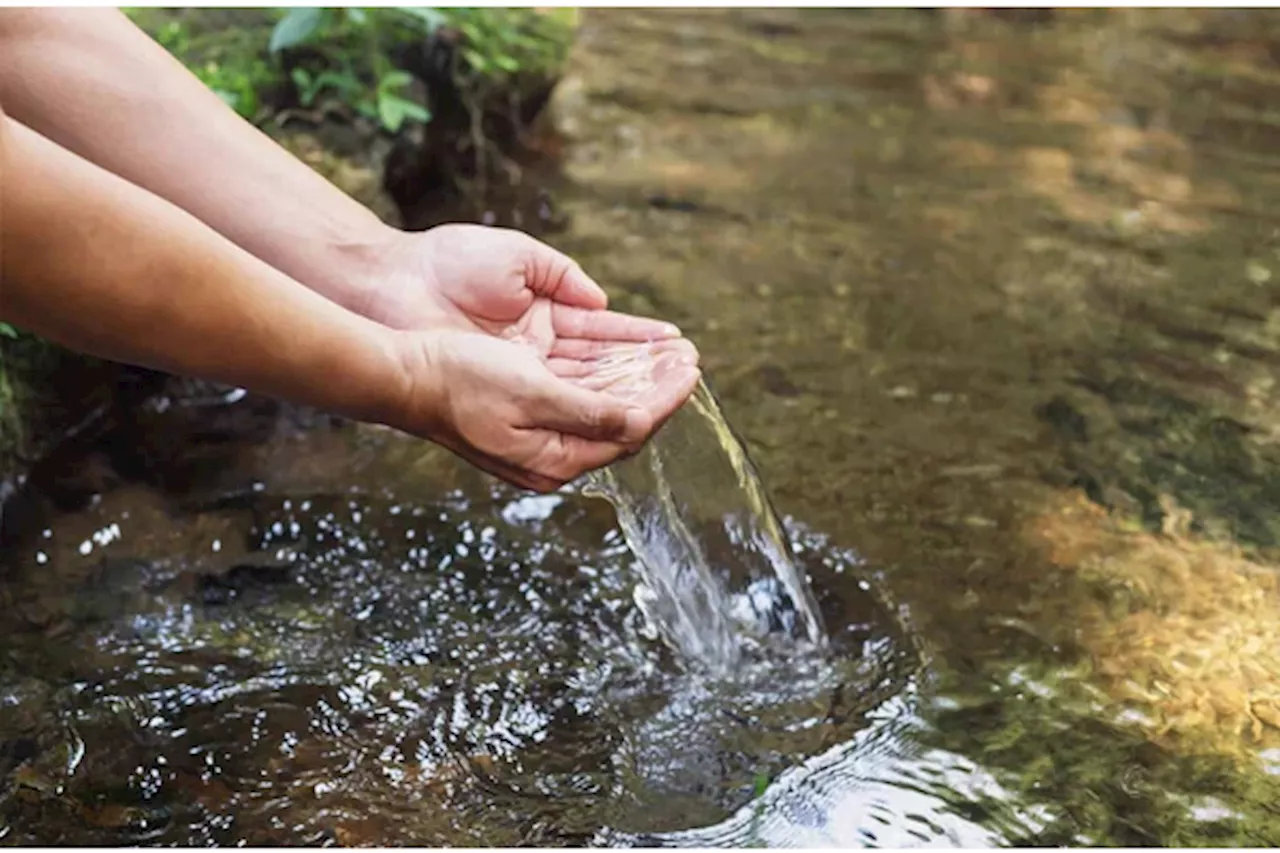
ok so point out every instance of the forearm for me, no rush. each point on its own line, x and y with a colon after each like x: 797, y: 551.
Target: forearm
x: 91, y: 81
x: 99, y: 265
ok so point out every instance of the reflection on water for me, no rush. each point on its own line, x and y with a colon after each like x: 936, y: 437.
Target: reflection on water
x: 992, y: 299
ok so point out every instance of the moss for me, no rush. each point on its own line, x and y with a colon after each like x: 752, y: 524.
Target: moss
x: 1095, y: 784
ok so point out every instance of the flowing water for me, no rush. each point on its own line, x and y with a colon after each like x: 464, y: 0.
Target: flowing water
x: 991, y: 299
x: 719, y: 577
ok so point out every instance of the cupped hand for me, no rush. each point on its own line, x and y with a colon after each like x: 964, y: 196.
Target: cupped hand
x: 505, y: 409
x: 522, y: 369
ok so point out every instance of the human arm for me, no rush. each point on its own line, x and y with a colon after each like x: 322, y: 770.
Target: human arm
x: 91, y: 81
x: 90, y: 261
x: 100, y: 265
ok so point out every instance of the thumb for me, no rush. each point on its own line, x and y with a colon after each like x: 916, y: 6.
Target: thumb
x: 555, y: 275
x: 596, y: 415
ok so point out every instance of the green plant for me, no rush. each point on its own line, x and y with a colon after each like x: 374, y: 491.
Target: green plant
x: 341, y: 56
x: 357, y: 71
x: 10, y: 423
x: 234, y: 74
x: 497, y: 44
x: 500, y: 43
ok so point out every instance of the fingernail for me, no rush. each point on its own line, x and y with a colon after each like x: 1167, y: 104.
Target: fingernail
x: 671, y: 330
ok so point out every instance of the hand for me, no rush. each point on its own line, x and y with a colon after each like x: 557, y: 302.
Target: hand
x: 533, y: 378
x: 499, y: 405
x: 479, y: 278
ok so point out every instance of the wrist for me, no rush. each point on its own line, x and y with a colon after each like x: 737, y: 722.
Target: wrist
x: 420, y: 402
x: 394, y: 278
x: 351, y: 267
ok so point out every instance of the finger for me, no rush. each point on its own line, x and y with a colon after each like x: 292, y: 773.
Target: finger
x: 555, y: 275
x: 671, y: 392
x: 568, y: 407
x: 665, y: 393
x: 570, y: 321
x: 583, y: 349
x: 645, y: 374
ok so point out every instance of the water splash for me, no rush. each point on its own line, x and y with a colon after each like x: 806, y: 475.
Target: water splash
x: 718, y: 576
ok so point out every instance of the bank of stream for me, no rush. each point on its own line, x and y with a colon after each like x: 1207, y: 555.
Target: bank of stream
x: 992, y: 299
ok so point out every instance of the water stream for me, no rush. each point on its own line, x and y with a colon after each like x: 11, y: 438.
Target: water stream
x: 718, y: 575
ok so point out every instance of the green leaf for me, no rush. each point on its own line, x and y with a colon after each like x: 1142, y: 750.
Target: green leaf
x: 343, y: 81
x: 506, y: 63
x: 295, y: 28
x: 357, y: 16
x: 394, y: 110
x: 308, y: 87
x: 7, y: 331
x: 247, y: 101
x: 393, y: 80
x: 415, y: 111
x: 390, y: 113
x: 475, y: 59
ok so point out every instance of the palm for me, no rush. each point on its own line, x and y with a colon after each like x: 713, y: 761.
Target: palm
x: 505, y: 285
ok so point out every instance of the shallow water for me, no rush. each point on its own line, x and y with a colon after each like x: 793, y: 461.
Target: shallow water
x: 417, y: 663
x: 993, y: 303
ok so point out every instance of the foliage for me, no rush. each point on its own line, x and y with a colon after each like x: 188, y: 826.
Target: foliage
x: 13, y: 367
x: 356, y: 69
x: 220, y: 60
x: 497, y: 45
x: 10, y: 423
x: 342, y: 56
x: 516, y: 41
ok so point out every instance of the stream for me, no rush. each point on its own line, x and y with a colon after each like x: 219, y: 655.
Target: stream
x: 992, y: 300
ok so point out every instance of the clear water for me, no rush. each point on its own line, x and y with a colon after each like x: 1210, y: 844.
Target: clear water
x: 343, y: 638
x: 717, y: 575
